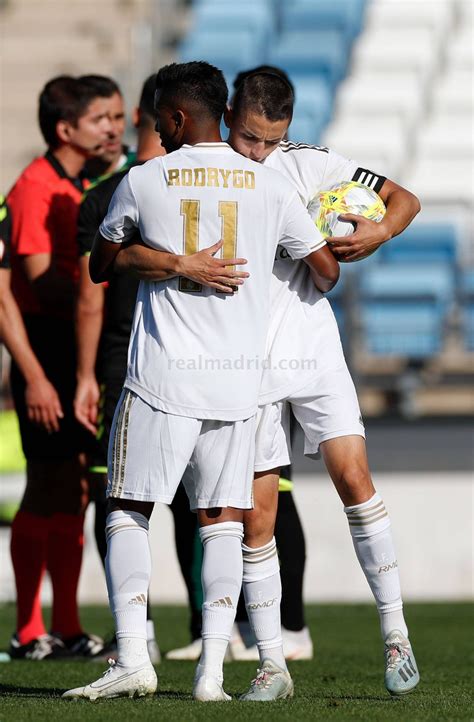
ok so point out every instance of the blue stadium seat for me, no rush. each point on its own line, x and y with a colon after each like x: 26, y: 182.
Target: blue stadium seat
x: 344, y: 15
x: 256, y: 18
x: 422, y: 243
x: 434, y: 282
x: 313, y: 95
x: 467, y: 307
x: 306, y: 127
x: 403, y: 308
x: 312, y: 53
x: 230, y: 51
x: 414, y: 330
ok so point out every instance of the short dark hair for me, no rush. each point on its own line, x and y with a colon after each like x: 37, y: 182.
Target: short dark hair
x: 146, y: 103
x: 104, y: 86
x: 269, y: 69
x: 197, y: 83
x: 62, y: 98
x: 268, y: 92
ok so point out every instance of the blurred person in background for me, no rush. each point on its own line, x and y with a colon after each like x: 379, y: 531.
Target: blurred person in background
x: 104, y: 318
x: 47, y: 532
x: 116, y: 155
x: 41, y: 399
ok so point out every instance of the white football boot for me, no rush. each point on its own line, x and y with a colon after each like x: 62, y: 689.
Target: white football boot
x: 401, y: 672
x: 118, y: 681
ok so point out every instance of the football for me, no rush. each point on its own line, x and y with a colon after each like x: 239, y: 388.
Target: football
x: 346, y: 197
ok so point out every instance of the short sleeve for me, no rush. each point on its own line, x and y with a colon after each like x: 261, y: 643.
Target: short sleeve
x: 121, y: 221
x: 339, y: 169
x: 30, y: 203
x: 300, y: 235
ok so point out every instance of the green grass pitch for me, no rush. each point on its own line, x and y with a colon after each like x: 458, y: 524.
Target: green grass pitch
x: 343, y: 682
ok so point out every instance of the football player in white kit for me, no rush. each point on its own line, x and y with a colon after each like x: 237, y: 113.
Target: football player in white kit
x: 194, y: 368
x: 323, y: 398
x: 322, y: 395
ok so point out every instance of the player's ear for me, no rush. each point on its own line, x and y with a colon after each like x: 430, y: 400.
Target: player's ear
x: 228, y: 116
x: 63, y: 131
x: 179, y: 119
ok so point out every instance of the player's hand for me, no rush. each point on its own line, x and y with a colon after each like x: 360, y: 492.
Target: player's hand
x: 43, y: 404
x: 367, y: 237
x: 86, y: 403
x: 219, y: 273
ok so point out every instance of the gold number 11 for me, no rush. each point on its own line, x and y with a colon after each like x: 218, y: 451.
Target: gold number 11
x: 190, y: 212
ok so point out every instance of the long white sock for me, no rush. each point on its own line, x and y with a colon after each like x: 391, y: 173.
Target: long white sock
x: 262, y: 592
x: 371, y: 533
x: 221, y: 583
x: 128, y: 570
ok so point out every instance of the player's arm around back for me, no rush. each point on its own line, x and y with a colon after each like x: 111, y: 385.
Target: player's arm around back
x: 324, y: 268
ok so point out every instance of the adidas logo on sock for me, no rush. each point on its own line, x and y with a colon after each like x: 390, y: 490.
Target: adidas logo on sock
x: 226, y: 602
x: 141, y: 599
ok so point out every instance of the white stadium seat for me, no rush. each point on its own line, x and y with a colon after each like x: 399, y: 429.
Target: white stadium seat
x: 446, y: 136
x: 442, y: 182
x: 371, y: 95
x: 387, y: 50
x: 380, y: 146
x: 460, y: 49
x: 453, y: 92
x: 436, y: 16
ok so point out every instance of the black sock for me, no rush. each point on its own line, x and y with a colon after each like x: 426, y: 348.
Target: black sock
x: 292, y: 552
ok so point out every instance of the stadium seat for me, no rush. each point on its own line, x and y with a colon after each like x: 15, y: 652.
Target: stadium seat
x: 379, y: 146
x: 460, y: 49
x: 400, y: 95
x: 257, y: 19
x: 422, y: 243
x: 403, y: 308
x: 306, y: 127
x: 345, y: 16
x: 449, y: 92
x: 230, y: 51
x: 387, y: 50
x: 311, y: 53
x: 441, y: 181
x: 313, y: 96
x: 446, y: 135
x: 467, y: 308
x: 405, y: 14
x: 411, y: 330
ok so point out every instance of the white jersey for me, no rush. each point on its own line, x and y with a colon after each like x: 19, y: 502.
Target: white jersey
x: 193, y: 351
x: 297, y: 307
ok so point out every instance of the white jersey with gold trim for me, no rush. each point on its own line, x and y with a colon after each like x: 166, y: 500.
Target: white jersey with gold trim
x: 193, y: 351
x: 294, y: 350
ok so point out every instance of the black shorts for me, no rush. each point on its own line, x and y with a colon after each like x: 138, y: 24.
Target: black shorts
x: 110, y: 391
x: 52, y: 340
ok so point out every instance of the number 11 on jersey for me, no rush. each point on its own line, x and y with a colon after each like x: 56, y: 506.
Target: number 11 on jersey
x: 227, y: 211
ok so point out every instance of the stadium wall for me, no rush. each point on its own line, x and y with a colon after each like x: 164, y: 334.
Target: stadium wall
x: 431, y: 516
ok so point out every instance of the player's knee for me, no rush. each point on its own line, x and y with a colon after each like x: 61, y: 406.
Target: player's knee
x: 355, y: 484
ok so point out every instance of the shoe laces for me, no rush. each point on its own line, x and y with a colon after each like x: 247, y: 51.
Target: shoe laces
x: 111, y: 662
x: 394, y: 653
x: 263, y: 679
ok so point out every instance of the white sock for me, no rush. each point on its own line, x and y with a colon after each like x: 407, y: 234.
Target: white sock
x: 371, y: 533
x: 221, y: 583
x: 262, y: 592
x: 128, y: 570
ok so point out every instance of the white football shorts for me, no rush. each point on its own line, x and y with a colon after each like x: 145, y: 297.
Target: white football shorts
x: 149, y: 451
x: 272, y: 440
x: 327, y: 408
